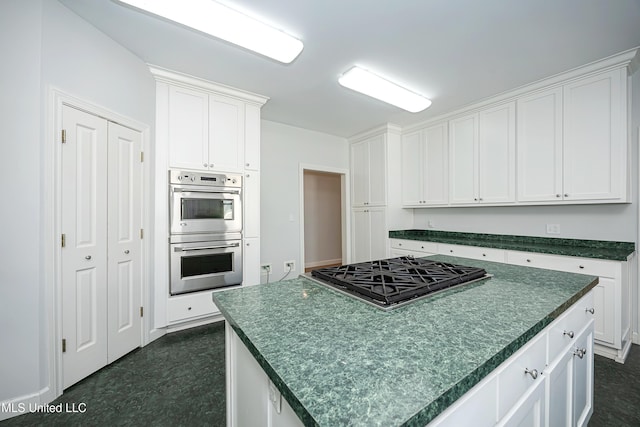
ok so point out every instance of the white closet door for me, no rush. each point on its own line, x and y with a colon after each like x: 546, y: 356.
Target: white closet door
x: 84, y: 255
x: 124, y: 242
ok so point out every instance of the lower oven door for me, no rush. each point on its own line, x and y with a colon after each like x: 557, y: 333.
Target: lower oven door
x: 200, y: 266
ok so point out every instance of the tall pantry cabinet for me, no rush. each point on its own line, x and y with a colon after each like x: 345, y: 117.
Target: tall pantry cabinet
x: 207, y: 127
x: 375, y: 158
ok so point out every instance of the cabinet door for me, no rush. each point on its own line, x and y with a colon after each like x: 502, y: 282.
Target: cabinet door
x: 413, y: 162
x: 496, y: 154
x: 188, y: 128
x: 595, y: 137
x: 436, y: 173
x: 604, y: 297
x: 539, y: 146
x: 377, y: 171
x: 463, y: 137
x: 252, y: 137
x: 559, y: 399
x: 583, y: 378
x: 360, y: 173
x: 378, y: 231
x: 226, y: 134
x: 361, y: 237
x: 251, y: 262
x: 529, y: 411
x: 251, y: 208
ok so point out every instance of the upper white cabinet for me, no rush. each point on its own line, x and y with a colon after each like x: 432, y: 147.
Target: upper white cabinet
x: 572, y: 141
x: 368, y: 171
x: 540, y: 146
x: 424, y: 167
x: 206, y: 131
x: 595, y: 137
x: 482, y: 156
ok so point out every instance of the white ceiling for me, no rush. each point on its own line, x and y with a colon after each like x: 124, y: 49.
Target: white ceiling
x: 454, y: 52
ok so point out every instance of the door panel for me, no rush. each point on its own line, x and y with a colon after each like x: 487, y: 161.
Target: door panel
x: 84, y: 256
x: 124, y: 245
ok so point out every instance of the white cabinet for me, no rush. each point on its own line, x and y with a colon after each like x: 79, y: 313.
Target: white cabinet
x: 612, y: 296
x: 539, y: 144
x: 251, y: 206
x: 538, y: 385
x: 252, y: 399
x: 595, y: 137
x: 473, y: 252
x: 206, y: 131
x: 368, y: 172
x: 369, y: 234
x: 424, y: 167
x: 252, y: 137
x: 572, y: 141
x: 482, y: 156
x: 416, y: 248
x: 251, y: 261
x: 190, y: 307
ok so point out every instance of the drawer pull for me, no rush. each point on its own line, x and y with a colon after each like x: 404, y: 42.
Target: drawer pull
x: 581, y: 266
x: 528, y: 260
x: 569, y: 334
x: 590, y: 310
x: 451, y: 250
x: 580, y: 352
x: 188, y: 308
x: 533, y: 372
x: 484, y: 254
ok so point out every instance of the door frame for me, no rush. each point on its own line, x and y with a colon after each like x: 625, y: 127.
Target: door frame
x: 345, y: 197
x: 52, y: 229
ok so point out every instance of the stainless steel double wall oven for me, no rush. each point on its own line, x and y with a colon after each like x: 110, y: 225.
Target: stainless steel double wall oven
x: 205, y: 214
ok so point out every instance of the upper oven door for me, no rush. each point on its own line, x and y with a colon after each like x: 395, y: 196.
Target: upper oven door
x: 200, y: 210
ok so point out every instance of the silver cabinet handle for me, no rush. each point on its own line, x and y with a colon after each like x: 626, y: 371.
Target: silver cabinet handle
x: 205, y: 165
x: 88, y: 257
x: 533, y: 372
x: 557, y: 195
x: 126, y: 252
x: 210, y: 165
x: 528, y: 260
x: 580, y: 352
x: 569, y: 334
x: 590, y: 310
x: 566, y: 195
x: 202, y: 248
x: 581, y: 266
x: 247, y: 164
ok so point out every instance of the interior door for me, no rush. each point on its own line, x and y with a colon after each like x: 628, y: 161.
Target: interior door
x: 124, y: 242
x: 84, y: 252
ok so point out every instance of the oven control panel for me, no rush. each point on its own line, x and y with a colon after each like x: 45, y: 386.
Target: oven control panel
x: 208, y: 179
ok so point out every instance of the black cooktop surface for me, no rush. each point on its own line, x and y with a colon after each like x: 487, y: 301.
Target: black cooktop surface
x: 389, y: 283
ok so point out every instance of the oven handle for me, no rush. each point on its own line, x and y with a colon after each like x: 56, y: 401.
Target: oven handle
x: 202, y: 248
x: 181, y: 190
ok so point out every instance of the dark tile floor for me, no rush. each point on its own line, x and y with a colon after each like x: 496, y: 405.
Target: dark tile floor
x: 179, y: 380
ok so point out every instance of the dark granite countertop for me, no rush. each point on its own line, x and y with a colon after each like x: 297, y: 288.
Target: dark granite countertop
x: 339, y: 361
x: 600, y: 249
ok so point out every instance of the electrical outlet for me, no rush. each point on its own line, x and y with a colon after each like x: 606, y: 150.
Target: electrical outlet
x: 289, y: 264
x: 266, y: 268
x: 553, y: 228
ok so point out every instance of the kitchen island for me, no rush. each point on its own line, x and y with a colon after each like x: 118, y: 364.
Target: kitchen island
x: 338, y: 361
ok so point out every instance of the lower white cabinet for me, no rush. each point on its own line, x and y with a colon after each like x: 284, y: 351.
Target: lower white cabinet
x: 252, y: 399
x: 369, y: 234
x: 612, y: 295
x: 188, y: 307
x: 251, y: 261
x: 539, y: 385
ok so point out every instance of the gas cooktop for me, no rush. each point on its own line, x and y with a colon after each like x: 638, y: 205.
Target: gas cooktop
x: 391, y: 283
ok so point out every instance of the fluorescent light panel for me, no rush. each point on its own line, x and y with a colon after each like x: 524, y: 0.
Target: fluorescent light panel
x: 225, y: 23
x: 365, y: 82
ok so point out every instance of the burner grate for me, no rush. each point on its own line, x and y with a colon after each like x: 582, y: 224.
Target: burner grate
x: 391, y: 281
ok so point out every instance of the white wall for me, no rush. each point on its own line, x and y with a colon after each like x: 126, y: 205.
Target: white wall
x: 46, y: 45
x: 283, y: 149
x: 322, y: 218
x: 20, y: 273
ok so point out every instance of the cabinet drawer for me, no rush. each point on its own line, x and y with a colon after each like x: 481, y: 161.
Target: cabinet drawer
x: 186, y: 307
x: 415, y: 246
x: 473, y: 252
x: 478, y: 403
x: 513, y: 381
x: 564, y: 330
x: 594, y: 267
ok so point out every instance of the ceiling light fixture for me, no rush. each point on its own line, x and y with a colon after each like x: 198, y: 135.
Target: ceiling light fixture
x: 365, y: 82
x: 225, y: 23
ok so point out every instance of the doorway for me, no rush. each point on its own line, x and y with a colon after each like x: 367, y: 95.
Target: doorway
x: 323, y: 224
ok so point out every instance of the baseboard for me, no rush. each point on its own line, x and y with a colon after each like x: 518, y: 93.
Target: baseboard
x: 194, y: 323
x: 321, y: 263
x: 154, y: 334
x: 635, y: 338
x: 22, y: 405
x: 611, y: 353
